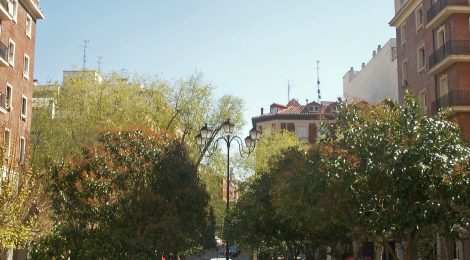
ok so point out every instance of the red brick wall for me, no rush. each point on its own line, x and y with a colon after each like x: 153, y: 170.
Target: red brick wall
x: 417, y: 81
x: 463, y: 120
x: 458, y: 27
x: 463, y: 75
x: 458, y: 75
x: 14, y: 76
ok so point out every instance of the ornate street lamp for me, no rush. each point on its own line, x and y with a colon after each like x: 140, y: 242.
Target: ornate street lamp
x: 206, y: 139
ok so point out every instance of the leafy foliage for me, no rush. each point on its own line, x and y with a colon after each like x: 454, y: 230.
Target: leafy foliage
x: 410, y: 178
x: 21, y: 202
x: 75, y: 112
x: 131, y: 195
x: 382, y: 173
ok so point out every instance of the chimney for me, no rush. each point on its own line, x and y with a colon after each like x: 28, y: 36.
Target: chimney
x: 262, y: 111
x: 351, y: 74
x: 379, y: 48
x: 306, y: 100
x: 363, y: 65
x: 374, y: 53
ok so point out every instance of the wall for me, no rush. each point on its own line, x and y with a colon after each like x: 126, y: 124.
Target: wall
x: 377, y: 80
x: 268, y: 126
x: 13, y: 75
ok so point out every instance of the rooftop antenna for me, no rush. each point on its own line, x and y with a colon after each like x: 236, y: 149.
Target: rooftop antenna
x: 288, y: 91
x: 85, y: 47
x: 99, y: 63
x: 318, y: 81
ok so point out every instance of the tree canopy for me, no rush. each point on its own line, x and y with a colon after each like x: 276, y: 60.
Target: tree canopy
x: 381, y: 174
x: 132, y: 194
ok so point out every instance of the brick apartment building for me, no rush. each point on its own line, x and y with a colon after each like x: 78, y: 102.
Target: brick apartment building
x: 304, y: 120
x: 17, y: 42
x: 433, y: 55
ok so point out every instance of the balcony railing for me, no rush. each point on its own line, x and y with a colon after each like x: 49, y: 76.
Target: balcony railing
x: 449, y: 48
x: 452, y: 99
x: 439, y: 5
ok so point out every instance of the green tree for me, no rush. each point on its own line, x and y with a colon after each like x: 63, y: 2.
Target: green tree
x: 83, y: 107
x: 303, y: 197
x: 253, y: 222
x: 269, y: 149
x: 405, y: 175
x: 21, y: 203
x: 131, y: 195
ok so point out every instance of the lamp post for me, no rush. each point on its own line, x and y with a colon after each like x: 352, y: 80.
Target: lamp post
x: 208, y: 138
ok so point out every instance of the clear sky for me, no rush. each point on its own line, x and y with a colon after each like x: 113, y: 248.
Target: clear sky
x: 248, y: 48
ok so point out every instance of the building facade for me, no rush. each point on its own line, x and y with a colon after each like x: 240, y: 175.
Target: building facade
x: 17, y: 44
x: 304, y: 120
x: 377, y: 79
x: 433, y: 55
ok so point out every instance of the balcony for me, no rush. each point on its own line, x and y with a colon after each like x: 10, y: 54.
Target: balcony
x: 33, y: 6
x: 3, y: 55
x: 442, y: 9
x: 458, y: 100
x: 5, y: 7
x: 451, y: 52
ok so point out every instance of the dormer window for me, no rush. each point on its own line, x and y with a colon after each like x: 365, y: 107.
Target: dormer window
x: 274, y: 110
x: 313, y: 109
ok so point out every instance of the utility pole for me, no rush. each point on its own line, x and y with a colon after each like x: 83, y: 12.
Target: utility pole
x: 288, y: 91
x: 318, y: 81
x: 99, y: 63
x: 85, y: 47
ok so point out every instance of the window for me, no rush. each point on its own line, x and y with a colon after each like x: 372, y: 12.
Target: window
x: 26, y: 67
x: 7, y: 142
x: 22, y: 149
x: 302, y: 133
x: 441, y: 37
x: 419, y: 14
x: 24, y: 107
x: 29, y: 25
x: 273, y: 110
x: 11, y: 52
x: 404, y: 73
x: 13, y: 9
x: 423, y: 100
x: 403, y: 33
x: 8, y: 95
x: 443, y: 92
x: 313, y: 109
x: 421, y: 52
x: 288, y: 126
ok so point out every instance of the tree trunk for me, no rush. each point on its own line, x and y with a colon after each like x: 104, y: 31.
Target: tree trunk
x: 410, y: 246
x: 390, y: 250
x: 357, y: 245
x: 449, y: 249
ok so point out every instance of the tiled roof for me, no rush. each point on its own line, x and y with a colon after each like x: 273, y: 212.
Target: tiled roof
x: 292, y: 103
x: 278, y: 105
x: 293, y: 110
